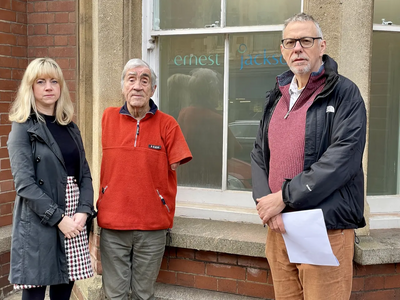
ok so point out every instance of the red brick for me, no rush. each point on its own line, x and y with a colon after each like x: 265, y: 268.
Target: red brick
x: 187, y: 266
x: 5, y: 269
x: 72, y: 17
x: 4, y: 121
x: 255, y: 290
x: 40, y: 41
x: 358, y: 284
x: 61, y: 28
x: 226, y: 271
x: 7, y: 96
x: 8, y: 85
x: 4, y: 73
x: 392, y: 282
x: 61, y: 6
x: 5, y: 258
x: 167, y: 277
x: 72, y: 63
x: 227, y: 258
x: 3, y: 143
x: 227, y: 286
x: 19, y: 51
x: 185, y: 279
x: 30, y: 7
x: 255, y: 262
x: 64, y: 64
x: 72, y: 40
x: 185, y: 253
x: 40, y: 6
x: 257, y: 275
x: 6, y: 186
x: 18, y: 28
x: 98, y: 268
x: 62, y: 52
x: 39, y: 29
x: 21, y: 18
x: 62, y: 17
x: 22, y: 40
x: 374, y: 283
x: 22, y: 63
x: 41, y: 18
x: 17, y: 74
x: 205, y: 283
x: 5, y: 27
x: 4, y: 163
x: 5, y: 220
x: 5, y: 175
x: 206, y: 256
x: 378, y: 295
x: 6, y: 290
x: 8, y: 39
x: 38, y: 52
x: 60, y: 40
x: 7, y: 15
x: 4, y: 107
x: 7, y: 197
x: 5, y: 209
x: 374, y: 269
x: 5, y: 4
x: 18, y: 5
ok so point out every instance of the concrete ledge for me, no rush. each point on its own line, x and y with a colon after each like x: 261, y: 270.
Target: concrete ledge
x: 5, y: 238
x: 173, y: 292
x: 382, y: 246
x: 219, y: 236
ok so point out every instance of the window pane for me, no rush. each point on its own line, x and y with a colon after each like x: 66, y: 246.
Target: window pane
x: 173, y: 14
x: 388, y: 10
x: 191, y: 81
x: 260, y: 12
x: 255, y: 61
x: 383, y: 156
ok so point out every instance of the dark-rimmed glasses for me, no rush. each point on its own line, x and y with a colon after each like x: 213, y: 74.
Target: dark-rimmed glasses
x: 305, y: 42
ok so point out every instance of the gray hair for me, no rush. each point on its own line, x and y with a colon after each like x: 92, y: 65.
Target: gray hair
x: 134, y: 63
x: 303, y: 17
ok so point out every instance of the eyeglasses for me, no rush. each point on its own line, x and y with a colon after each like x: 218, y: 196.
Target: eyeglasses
x: 305, y: 42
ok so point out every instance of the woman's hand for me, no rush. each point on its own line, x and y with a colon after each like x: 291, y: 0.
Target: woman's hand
x: 69, y: 227
x: 80, y: 218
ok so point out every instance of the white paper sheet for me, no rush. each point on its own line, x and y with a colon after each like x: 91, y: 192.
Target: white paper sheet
x: 306, y: 238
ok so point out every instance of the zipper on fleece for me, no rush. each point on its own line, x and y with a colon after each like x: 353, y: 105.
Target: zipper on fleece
x: 163, y: 200
x: 137, y: 133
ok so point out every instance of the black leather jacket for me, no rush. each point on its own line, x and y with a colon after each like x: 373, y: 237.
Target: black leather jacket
x: 335, y: 134
x: 40, y: 177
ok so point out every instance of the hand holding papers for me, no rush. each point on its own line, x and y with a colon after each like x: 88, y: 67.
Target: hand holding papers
x: 306, y: 238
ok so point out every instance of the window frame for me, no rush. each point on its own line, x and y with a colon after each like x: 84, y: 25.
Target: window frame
x: 215, y: 204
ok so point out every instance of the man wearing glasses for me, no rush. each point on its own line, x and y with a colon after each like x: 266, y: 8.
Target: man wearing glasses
x: 308, y: 155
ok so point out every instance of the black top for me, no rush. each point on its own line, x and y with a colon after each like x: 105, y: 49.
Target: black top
x: 66, y: 144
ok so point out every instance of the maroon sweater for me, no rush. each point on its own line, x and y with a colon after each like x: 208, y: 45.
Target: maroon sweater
x: 286, y: 133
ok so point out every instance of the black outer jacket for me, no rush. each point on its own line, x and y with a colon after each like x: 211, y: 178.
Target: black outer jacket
x: 40, y: 177
x: 332, y: 178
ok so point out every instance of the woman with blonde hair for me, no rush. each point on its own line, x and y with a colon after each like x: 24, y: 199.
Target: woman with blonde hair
x: 53, y: 185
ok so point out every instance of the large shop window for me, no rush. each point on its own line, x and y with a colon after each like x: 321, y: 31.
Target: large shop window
x: 216, y: 59
x: 384, y: 121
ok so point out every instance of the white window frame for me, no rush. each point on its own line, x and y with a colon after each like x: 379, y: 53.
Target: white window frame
x: 215, y: 204
x: 385, y: 209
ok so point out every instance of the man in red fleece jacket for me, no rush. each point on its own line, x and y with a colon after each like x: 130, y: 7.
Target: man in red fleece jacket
x: 142, y: 148
x: 308, y: 155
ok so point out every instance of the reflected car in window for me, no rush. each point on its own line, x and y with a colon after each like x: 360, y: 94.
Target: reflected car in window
x: 245, y: 132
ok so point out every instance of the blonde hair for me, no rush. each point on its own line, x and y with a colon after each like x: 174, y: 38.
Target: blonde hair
x: 25, y: 102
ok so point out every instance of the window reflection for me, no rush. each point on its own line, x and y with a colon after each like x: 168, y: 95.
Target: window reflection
x: 389, y: 10
x: 384, y: 122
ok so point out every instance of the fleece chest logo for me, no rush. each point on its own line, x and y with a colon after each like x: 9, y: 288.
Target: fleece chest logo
x: 155, y: 147
x: 330, y: 109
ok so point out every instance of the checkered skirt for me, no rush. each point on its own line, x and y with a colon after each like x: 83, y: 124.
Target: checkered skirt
x: 77, y: 248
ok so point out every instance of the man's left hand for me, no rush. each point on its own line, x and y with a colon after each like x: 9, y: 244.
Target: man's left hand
x: 269, y: 206
x: 175, y: 166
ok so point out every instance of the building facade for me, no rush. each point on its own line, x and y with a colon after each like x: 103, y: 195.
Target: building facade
x: 217, y: 241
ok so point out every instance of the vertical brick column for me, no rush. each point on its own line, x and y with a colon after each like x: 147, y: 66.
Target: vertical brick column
x: 52, y: 33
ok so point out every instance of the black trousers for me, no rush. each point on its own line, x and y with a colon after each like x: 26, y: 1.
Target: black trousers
x: 57, y: 292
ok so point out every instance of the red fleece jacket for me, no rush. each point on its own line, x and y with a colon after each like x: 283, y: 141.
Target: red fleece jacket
x: 137, y: 185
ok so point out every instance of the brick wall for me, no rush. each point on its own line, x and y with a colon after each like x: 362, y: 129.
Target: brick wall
x: 29, y: 29
x: 251, y: 276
